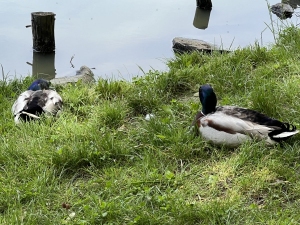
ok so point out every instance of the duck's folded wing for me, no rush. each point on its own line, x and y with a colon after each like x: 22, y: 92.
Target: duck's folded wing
x: 33, y: 103
x: 250, y: 115
x: 21, y: 102
x: 232, y: 125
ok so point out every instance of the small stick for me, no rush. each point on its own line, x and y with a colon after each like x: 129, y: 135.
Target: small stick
x: 71, y: 61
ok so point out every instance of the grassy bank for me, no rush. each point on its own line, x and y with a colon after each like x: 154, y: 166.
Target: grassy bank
x: 101, y: 162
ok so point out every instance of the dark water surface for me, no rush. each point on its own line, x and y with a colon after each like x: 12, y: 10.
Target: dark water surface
x: 118, y: 37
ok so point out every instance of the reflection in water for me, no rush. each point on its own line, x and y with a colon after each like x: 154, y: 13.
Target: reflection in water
x: 142, y: 37
x: 43, y: 65
x: 201, y: 18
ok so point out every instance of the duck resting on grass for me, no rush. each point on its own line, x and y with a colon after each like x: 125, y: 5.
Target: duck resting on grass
x: 232, y: 126
x: 38, y: 99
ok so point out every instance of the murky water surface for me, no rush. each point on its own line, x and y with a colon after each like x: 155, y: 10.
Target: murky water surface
x: 118, y: 37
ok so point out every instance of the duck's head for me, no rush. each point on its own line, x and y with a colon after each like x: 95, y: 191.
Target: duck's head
x: 208, y: 99
x: 39, y: 84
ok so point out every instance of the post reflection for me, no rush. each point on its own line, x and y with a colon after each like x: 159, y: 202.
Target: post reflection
x: 43, y: 65
x: 201, y: 18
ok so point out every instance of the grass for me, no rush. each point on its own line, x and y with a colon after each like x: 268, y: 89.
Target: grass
x: 111, y: 166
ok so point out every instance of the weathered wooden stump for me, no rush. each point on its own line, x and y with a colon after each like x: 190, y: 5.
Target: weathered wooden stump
x: 42, y: 24
x: 204, y: 4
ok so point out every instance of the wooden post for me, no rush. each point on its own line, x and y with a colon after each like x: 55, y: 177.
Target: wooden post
x: 42, y: 24
x: 204, y: 4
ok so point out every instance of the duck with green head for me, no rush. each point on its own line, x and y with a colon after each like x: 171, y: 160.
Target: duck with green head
x: 232, y: 126
x: 36, y: 100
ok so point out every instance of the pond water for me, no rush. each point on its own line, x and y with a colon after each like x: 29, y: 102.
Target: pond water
x: 117, y: 38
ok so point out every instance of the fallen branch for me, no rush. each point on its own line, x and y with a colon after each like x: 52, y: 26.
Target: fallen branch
x: 71, y: 61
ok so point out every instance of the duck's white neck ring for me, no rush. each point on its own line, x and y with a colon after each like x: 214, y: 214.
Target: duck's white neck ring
x: 202, y: 113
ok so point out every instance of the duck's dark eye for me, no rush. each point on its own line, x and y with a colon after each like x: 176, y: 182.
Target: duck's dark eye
x: 51, y: 98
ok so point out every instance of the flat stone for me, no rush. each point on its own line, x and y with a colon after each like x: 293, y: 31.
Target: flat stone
x: 181, y: 45
x: 85, y: 74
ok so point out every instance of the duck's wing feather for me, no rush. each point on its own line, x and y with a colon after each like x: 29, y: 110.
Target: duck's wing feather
x: 34, y: 103
x: 249, y: 115
x: 230, y: 124
x: 47, y: 101
x: 255, y: 123
x: 21, y: 102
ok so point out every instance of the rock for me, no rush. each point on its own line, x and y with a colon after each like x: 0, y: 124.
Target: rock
x: 282, y: 10
x: 85, y: 74
x: 181, y: 45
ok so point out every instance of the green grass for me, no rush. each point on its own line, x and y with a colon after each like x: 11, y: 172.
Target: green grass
x: 113, y: 167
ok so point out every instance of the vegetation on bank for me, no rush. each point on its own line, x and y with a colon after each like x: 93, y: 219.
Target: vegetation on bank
x: 101, y: 162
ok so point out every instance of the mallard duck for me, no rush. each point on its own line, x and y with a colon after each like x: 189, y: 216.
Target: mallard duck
x: 36, y: 100
x: 232, y: 126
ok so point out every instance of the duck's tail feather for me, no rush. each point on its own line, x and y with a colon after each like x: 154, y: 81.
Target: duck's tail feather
x: 31, y: 115
x: 286, y: 132
x: 28, y: 115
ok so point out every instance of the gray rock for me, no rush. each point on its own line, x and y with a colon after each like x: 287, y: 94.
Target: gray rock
x: 181, y: 45
x: 85, y: 74
x: 282, y: 10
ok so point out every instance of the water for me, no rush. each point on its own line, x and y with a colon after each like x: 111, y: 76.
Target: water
x: 118, y: 37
